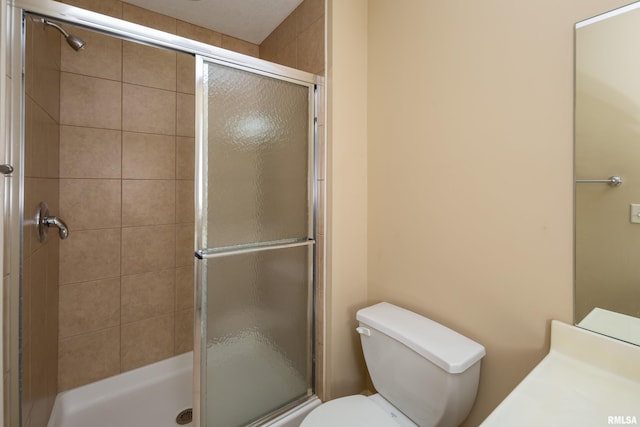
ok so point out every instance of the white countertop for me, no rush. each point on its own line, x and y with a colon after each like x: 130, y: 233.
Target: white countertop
x: 584, y: 380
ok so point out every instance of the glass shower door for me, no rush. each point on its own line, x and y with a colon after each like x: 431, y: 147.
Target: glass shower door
x: 256, y: 242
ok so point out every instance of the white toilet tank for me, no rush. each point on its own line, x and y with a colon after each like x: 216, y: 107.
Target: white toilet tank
x: 423, y: 368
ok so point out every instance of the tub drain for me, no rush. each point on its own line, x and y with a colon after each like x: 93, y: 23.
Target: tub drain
x: 185, y: 417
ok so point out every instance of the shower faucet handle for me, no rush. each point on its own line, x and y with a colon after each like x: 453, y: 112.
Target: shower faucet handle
x: 6, y: 169
x: 44, y: 221
x: 63, y: 231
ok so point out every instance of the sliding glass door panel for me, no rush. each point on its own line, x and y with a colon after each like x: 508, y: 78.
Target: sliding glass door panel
x: 258, y: 348
x: 255, y: 244
x: 258, y: 135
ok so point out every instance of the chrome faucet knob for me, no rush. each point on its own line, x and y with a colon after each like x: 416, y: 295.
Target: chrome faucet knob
x: 44, y: 221
x: 63, y: 231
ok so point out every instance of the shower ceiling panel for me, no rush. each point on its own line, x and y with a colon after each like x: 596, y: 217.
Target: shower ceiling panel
x: 249, y: 20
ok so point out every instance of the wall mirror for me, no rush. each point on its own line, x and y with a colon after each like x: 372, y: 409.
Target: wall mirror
x: 607, y: 189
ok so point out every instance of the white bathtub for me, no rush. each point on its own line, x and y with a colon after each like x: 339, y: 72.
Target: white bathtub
x: 151, y: 396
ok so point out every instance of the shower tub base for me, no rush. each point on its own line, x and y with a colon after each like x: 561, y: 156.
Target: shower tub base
x: 151, y: 396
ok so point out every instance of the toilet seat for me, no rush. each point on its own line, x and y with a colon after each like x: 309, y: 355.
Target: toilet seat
x: 350, y: 411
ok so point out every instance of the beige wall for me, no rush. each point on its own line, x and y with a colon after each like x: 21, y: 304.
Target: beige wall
x: 607, y: 107
x: 347, y: 193
x: 470, y: 176
x: 469, y: 148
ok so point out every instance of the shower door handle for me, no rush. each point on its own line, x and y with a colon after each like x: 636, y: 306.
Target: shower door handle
x: 6, y: 169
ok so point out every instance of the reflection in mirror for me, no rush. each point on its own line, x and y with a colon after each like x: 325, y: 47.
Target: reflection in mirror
x: 607, y: 144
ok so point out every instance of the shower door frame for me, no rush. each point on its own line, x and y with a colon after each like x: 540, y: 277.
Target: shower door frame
x: 14, y: 203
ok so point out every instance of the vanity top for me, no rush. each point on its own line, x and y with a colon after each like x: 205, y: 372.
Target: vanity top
x: 587, y: 379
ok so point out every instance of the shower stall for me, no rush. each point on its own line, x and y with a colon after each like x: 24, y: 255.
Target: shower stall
x: 180, y: 206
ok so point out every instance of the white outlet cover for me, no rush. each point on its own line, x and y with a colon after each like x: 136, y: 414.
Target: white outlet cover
x: 635, y: 213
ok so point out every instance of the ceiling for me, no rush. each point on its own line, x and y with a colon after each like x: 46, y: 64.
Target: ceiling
x: 249, y: 20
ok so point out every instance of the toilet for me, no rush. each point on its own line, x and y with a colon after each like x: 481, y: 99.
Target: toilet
x: 426, y: 374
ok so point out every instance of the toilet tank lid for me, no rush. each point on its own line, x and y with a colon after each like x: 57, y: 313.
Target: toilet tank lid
x: 444, y: 347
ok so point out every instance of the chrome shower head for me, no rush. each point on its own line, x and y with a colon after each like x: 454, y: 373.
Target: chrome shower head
x: 73, y: 41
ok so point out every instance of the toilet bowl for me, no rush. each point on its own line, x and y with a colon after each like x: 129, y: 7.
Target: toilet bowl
x: 426, y: 374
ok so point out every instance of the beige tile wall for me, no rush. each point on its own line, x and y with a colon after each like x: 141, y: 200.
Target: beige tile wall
x: 40, y: 259
x: 126, y: 193
x: 126, y: 162
x: 298, y: 41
